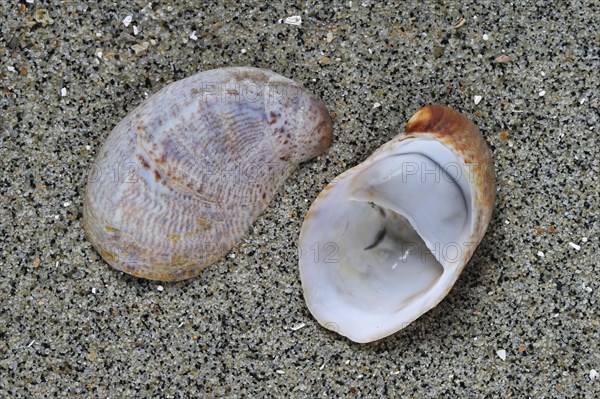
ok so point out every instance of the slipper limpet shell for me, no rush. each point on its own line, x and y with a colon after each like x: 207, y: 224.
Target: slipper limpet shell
x: 385, y: 241
x: 181, y: 178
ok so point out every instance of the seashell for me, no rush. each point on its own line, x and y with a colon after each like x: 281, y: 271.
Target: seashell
x: 385, y: 241
x: 182, y: 177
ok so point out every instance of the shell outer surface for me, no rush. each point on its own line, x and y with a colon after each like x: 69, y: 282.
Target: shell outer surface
x: 335, y: 293
x: 184, y: 175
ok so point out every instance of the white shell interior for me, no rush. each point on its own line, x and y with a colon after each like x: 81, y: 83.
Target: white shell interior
x: 385, y: 243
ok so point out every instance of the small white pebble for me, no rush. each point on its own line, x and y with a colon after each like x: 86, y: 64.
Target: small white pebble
x: 584, y: 239
x: 376, y: 105
x: 477, y: 99
x: 543, y: 73
x: 280, y: 371
x: 88, y: 147
x: 98, y: 34
x: 135, y: 30
x: 589, y: 289
x: 99, y: 53
x: 329, y: 37
x: 94, y: 290
x: 486, y: 37
x: 243, y: 51
x: 347, y: 362
x: 293, y: 20
x: 593, y: 374
x: 140, y: 48
x: 501, y: 354
x: 29, y: 1
x: 322, y: 366
x: 193, y: 36
x: 542, y: 93
x: 394, y: 372
x: 11, y: 68
x: 582, y: 101
x: 33, y: 342
x: 63, y: 92
x: 297, y: 327
x: 181, y: 324
x: 56, y: 217
x: 506, y: 222
x: 573, y: 245
x: 127, y: 20
x: 66, y: 204
x: 232, y: 256
x: 540, y: 254
x: 160, y: 288
x: 305, y: 200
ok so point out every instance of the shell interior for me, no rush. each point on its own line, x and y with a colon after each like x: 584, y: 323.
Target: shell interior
x: 400, y: 224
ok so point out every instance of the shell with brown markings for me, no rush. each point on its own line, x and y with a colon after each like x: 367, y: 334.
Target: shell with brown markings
x: 180, y: 180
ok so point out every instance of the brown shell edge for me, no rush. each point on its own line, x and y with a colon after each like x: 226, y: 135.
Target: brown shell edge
x: 459, y: 133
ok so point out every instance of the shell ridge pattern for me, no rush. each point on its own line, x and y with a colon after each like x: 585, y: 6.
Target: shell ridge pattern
x: 206, y: 154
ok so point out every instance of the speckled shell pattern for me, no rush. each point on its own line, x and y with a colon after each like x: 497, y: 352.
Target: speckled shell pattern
x: 181, y: 179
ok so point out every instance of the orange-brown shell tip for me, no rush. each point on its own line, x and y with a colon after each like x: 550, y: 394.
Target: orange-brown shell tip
x: 438, y: 119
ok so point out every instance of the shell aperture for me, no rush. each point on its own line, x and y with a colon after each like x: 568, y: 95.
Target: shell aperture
x: 183, y: 176
x: 404, y: 224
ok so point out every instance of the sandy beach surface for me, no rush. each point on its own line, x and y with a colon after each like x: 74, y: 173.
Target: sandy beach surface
x: 522, y: 320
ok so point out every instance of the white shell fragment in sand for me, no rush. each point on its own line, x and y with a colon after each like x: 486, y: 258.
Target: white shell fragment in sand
x: 295, y: 20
